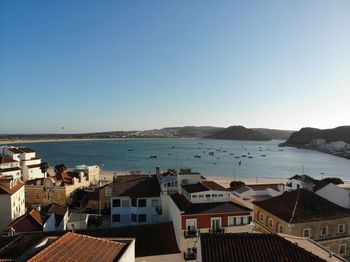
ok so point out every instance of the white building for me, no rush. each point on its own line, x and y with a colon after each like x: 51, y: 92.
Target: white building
x: 338, y: 146
x: 135, y: 200
x: 12, y: 204
x: 258, y: 192
x: 204, y: 207
x: 10, y: 167
x: 335, y: 194
x: 29, y: 162
x: 77, y: 221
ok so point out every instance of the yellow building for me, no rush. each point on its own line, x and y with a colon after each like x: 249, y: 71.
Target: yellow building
x: 305, y: 214
x: 58, y: 189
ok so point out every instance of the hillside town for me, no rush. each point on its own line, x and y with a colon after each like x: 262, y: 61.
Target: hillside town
x: 59, y: 213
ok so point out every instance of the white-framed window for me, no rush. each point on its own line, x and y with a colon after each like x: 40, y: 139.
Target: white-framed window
x: 231, y: 221
x: 125, y: 218
x: 245, y: 220
x: 306, y: 232
x: 215, y: 222
x: 270, y: 222
x: 341, y: 228
x: 191, y: 224
x: 324, y: 231
x: 342, y: 249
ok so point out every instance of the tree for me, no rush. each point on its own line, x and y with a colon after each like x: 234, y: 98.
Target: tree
x: 60, y: 168
x: 334, y: 180
x: 236, y: 183
x: 44, y: 166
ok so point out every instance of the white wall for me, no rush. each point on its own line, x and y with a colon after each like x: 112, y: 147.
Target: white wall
x: 129, y: 253
x: 50, y: 223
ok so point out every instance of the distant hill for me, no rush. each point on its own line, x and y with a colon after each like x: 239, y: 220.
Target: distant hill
x: 306, y: 134
x: 274, y: 133
x: 240, y: 133
x: 198, y: 132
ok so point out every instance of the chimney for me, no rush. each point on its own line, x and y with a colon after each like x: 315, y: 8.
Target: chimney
x: 73, y: 228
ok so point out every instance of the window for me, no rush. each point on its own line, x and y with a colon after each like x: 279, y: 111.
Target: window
x: 125, y: 203
x: 341, y: 228
x: 342, y: 249
x: 237, y: 221
x: 207, y: 197
x: 261, y: 217
x: 215, y: 222
x: 133, y: 217
x: 116, y: 203
x: 116, y: 217
x: 134, y: 202
x: 306, y: 232
x: 191, y: 224
x: 155, y: 203
x: 142, y: 217
x: 142, y: 202
x: 231, y: 221
x: 280, y: 229
x: 245, y: 220
x: 324, y: 231
x: 37, y: 195
x: 270, y: 223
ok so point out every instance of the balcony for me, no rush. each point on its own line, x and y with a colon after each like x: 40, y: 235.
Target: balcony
x: 193, y: 233
x: 190, y: 254
x: 217, y: 230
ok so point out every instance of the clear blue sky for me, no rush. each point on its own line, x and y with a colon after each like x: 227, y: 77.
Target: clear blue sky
x: 126, y: 65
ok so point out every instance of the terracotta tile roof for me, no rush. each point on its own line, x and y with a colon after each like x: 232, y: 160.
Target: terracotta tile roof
x: 136, y: 186
x: 151, y: 240
x: 30, y: 221
x: 6, y: 159
x: 207, y: 208
x: 65, y: 177
x: 302, y: 205
x: 6, y: 190
x: 78, y: 247
x: 251, y: 247
x: 56, y: 209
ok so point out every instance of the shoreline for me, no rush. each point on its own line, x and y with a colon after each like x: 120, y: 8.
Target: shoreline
x: 223, y: 181
x: 13, y: 142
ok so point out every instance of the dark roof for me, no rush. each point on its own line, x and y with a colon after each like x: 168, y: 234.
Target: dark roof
x: 93, y: 249
x: 207, y: 208
x: 136, y: 186
x: 203, y: 186
x: 26, y: 150
x: 251, y: 247
x: 302, y: 205
x: 213, y: 185
x: 193, y: 188
x: 318, y: 184
x: 33, y: 166
x: 14, y: 150
x: 9, y: 169
x: 265, y: 186
x: 30, y: 221
x: 151, y: 240
x: 6, y: 159
x: 58, y: 210
x: 242, y: 189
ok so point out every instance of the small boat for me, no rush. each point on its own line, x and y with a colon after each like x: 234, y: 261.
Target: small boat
x: 250, y: 157
x: 248, y: 153
x: 169, y: 154
x: 153, y: 157
x: 197, y: 156
x: 211, y: 153
x: 215, y: 163
x: 263, y: 155
x: 173, y: 147
x: 243, y: 156
x: 240, y: 162
x: 231, y: 154
x: 224, y: 151
x: 237, y: 157
x: 130, y: 150
x: 218, y: 158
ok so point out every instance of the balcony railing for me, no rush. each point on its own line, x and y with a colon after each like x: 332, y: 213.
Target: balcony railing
x: 217, y: 230
x: 193, y: 233
x: 190, y: 254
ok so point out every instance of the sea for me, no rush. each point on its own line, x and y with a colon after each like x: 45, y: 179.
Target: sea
x: 210, y: 157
